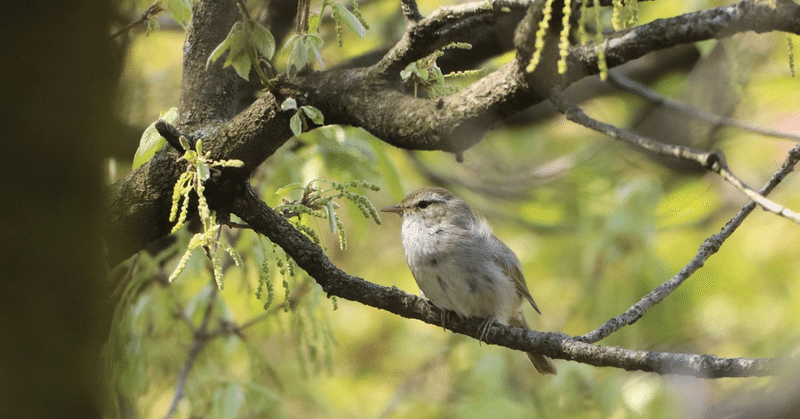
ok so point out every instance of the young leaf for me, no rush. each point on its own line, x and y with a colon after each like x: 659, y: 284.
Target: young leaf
x: 314, y: 114
x: 218, y: 51
x: 151, y: 141
x: 265, y: 42
x: 181, y: 10
x: 349, y: 19
x: 313, y: 22
x: 241, y: 63
x: 289, y: 104
x: 289, y: 187
x: 296, y: 124
x: 203, y: 172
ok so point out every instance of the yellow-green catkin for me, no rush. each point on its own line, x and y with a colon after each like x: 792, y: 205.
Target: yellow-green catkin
x: 563, y: 43
x: 582, y: 24
x: 616, y: 15
x: 539, y: 41
x: 598, y: 41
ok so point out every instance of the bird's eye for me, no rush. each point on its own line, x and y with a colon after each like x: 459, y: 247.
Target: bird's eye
x: 423, y: 204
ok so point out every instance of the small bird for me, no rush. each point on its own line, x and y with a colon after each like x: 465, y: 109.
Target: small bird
x: 461, y: 266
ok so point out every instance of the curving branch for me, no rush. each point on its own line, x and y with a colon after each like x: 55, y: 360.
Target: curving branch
x: 333, y: 281
x: 710, y: 246
x: 373, y: 98
x: 627, y: 85
x: 713, y: 160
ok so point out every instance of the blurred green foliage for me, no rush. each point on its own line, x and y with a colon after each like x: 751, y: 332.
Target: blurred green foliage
x: 604, y: 228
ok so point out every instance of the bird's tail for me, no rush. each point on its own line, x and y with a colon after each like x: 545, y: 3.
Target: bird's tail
x: 542, y: 364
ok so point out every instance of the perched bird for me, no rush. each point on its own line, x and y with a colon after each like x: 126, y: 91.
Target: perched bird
x: 461, y: 266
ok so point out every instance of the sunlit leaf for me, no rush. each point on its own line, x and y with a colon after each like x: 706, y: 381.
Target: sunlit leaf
x: 151, y: 141
x: 288, y: 188
x: 181, y: 10
x: 203, y: 172
x: 313, y: 22
x: 349, y: 19
x: 289, y: 104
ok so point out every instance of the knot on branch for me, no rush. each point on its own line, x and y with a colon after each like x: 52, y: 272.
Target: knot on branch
x: 172, y: 135
x: 714, y: 161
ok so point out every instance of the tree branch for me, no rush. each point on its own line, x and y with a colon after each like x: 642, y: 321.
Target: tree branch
x: 710, y: 246
x: 372, y: 98
x: 623, y: 46
x: 714, y: 161
x: 627, y: 85
x: 312, y: 259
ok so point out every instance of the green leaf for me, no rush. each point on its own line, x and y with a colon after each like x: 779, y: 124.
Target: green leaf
x: 314, y: 40
x: 151, y: 141
x: 218, y: 51
x: 315, y: 43
x: 241, y: 63
x: 313, y: 22
x: 329, y: 211
x: 314, y: 113
x: 237, y: 40
x: 228, y: 401
x: 409, y: 70
x: 202, y: 171
x: 289, y: 104
x: 265, y: 42
x: 181, y: 10
x: 299, y: 54
x: 349, y: 19
x: 288, y: 188
x: 296, y: 124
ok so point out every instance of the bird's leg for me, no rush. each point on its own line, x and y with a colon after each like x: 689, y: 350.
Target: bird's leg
x: 445, y: 315
x: 483, y: 330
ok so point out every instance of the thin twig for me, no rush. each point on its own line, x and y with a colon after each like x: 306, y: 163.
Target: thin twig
x: 707, y: 159
x: 763, y: 202
x: 710, y: 246
x: 411, y: 11
x: 201, y: 337
x: 713, y: 160
x: 625, y: 84
x: 150, y: 13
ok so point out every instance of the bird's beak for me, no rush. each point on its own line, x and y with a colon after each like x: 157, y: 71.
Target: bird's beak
x: 394, y: 208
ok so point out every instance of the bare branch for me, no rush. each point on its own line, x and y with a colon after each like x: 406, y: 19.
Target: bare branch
x: 201, y: 337
x: 707, y: 159
x: 710, y: 246
x: 312, y: 259
x: 623, y: 46
x: 711, y: 160
x: 154, y: 10
x: 759, y: 199
x: 625, y: 84
x: 411, y: 12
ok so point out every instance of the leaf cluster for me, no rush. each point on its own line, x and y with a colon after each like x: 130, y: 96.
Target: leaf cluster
x: 317, y: 202
x: 427, y: 74
x: 193, y: 180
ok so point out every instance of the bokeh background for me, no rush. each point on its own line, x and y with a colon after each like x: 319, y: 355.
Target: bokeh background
x: 595, y: 224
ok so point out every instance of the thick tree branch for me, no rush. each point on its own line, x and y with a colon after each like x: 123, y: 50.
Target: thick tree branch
x: 312, y: 259
x: 710, y: 246
x: 720, y: 22
x: 374, y: 98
